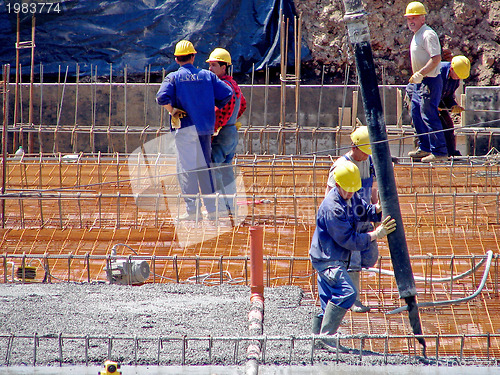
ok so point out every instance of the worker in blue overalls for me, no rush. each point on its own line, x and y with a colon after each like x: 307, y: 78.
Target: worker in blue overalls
x: 360, y: 154
x: 334, y: 239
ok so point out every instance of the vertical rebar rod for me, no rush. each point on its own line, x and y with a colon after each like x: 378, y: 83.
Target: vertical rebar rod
x: 87, y: 344
x: 60, y: 342
x: 118, y: 210
x: 17, y: 86
x: 77, y: 91
x: 110, y: 346
x: 32, y: 75
x: 125, y: 98
x: 110, y: 108
x: 266, y: 93
x: 87, y: 264
x: 5, y: 76
x: 250, y: 106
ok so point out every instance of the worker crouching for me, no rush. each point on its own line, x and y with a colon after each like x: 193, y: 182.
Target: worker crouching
x: 334, y: 239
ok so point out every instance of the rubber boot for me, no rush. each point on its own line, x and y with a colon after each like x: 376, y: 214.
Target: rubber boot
x: 329, y: 326
x: 316, y: 326
x: 357, y: 306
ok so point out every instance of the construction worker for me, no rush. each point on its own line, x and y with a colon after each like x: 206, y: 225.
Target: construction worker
x: 190, y: 95
x: 425, y: 86
x: 334, y: 240
x: 360, y: 154
x: 225, y: 139
x: 451, y: 73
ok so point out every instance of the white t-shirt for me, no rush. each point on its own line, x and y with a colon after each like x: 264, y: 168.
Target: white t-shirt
x: 424, y: 45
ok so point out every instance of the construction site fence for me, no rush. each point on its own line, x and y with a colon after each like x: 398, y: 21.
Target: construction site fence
x: 174, y: 350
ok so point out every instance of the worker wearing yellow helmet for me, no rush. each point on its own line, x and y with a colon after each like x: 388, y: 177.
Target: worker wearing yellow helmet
x: 451, y: 73
x: 333, y: 243
x: 360, y: 155
x: 425, y: 86
x: 190, y: 95
x: 225, y: 139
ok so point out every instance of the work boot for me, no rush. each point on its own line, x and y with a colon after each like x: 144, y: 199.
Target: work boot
x: 418, y: 154
x: 357, y: 307
x: 329, y: 326
x: 434, y: 158
x: 316, y: 326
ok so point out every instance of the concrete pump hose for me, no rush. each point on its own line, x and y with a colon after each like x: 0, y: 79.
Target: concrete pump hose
x: 433, y: 280
x: 489, y: 254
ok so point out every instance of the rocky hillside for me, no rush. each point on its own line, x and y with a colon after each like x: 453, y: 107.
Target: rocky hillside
x: 468, y: 27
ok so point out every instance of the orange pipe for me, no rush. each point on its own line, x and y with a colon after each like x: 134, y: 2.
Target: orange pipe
x: 256, y: 264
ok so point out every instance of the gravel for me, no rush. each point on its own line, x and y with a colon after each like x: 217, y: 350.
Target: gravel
x: 62, y: 317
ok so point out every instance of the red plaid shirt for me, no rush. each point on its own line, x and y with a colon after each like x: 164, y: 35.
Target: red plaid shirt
x: 222, y: 115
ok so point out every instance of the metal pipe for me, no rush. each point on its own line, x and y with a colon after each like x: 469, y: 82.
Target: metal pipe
x: 256, y: 264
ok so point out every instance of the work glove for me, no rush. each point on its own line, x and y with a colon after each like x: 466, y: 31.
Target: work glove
x: 238, y: 125
x: 387, y: 226
x: 457, y: 109
x: 176, y: 116
x: 416, y: 78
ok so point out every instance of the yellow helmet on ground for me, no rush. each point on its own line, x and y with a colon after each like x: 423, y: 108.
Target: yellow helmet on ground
x: 461, y: 66
x: 415, y: 8
x: 220, y: 55
x: 347, y: 176
x: 183, y: 48
x: 361, y: 139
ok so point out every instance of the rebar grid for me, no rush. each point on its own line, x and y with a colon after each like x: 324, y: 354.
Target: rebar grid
x: 97, y: 192
x: 63, y: 218
x: 255, y: 138
x: 175, y: 350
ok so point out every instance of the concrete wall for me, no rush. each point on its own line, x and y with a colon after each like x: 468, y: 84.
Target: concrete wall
x: 89, y: 104
x: 133, y: 106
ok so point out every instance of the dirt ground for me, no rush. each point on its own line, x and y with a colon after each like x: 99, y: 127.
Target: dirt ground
x: 471, y: 28
x: 149, y: 312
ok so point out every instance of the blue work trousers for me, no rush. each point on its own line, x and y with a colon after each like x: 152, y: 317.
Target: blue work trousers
x: 425, y: 98
x: 366, y: 258
x: 334, y: 284
x: 223, y: 150
x: 193, y: 167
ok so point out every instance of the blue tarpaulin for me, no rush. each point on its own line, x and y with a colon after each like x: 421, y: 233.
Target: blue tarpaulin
x: 143, y: 33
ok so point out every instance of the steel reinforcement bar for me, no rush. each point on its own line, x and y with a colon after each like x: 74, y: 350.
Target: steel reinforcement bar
x: 293, y: 270
x: 75, y: 349
x: 100, y: 210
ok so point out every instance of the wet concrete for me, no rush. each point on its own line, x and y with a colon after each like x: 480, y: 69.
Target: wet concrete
x: 147, y: 324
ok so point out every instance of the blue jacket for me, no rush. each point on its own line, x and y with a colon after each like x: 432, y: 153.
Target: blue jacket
x: 196, y: 91
x: 335, y: 236
x: 450, y: 85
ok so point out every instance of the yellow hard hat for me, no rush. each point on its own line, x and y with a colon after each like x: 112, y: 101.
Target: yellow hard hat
x: 220, y: 55
x: 461, y: 66
x: 415, y: 8
x: 361, y: 139
x: 183, y: 48
x: 347, y: 175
